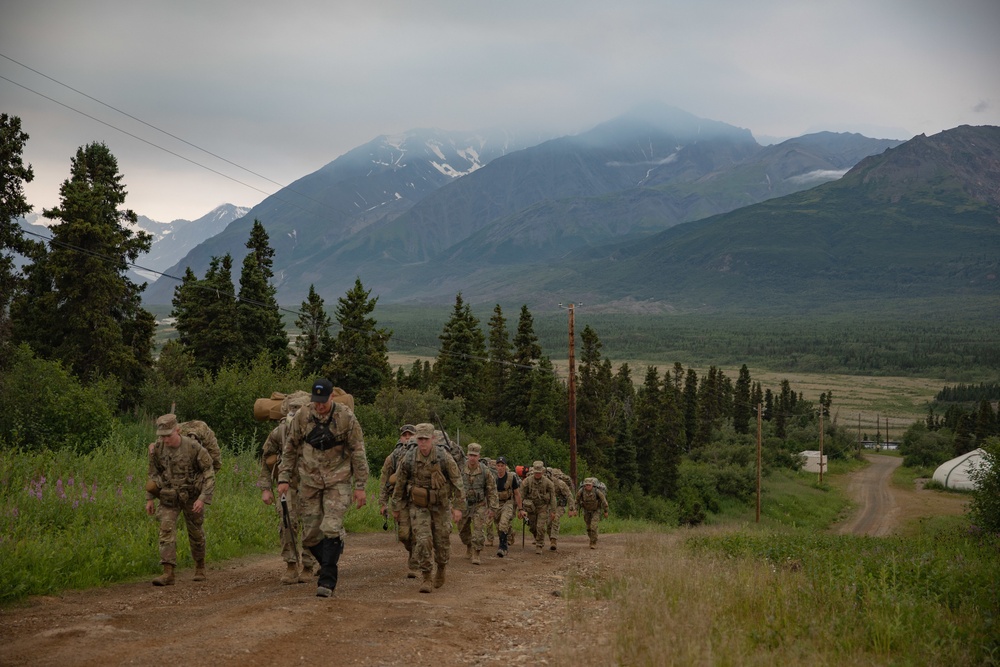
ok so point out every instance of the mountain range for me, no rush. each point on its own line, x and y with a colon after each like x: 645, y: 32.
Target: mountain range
x: 656, y: 206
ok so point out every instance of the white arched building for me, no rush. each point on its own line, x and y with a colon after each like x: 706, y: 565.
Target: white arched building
x: 954, y: 474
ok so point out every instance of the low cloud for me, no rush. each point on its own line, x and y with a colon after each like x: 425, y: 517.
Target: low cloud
x: 981, y: 107
x: 818, y: 175
x: 644, y: 163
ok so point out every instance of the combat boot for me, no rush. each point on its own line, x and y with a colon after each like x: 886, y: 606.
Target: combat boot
x: 411, y: 573
x: 538, y: 549
x: 199, y: 571
x: 427, y: 586
x: 305, y: 575
x: 331, y: 548
x: 439, y: 576
x: 475, y: 557
x: 167, y: 578
x: 291, y: 575
x: 468, y: 551
x: 502, y: 551
x: 552, y: 546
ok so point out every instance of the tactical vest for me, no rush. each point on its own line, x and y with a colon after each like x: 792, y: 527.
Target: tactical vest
x: 590, y: 500
x: 506, y: 486
x: 321, y: 438
x: 427, y: 493
x: 475, y: 493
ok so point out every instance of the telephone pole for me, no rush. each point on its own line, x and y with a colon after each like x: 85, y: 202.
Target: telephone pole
x: 571, y: 390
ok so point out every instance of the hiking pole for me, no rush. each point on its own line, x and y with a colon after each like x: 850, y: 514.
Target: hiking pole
x: 523, y: 522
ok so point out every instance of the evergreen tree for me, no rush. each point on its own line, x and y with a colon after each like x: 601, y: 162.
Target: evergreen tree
x: 526, y: 355
x: 768, y: 405
x: 547, y: 408
x: 461, y: 358
x: 592, y: 434
x: 86, y: 312
x: 260, y: 325
x: 13, y: 175
x: 647, y: 432
x: 691, y: 408
x: 673, y: 437
x: 314, y: 346
x: 498, y: 370
x: 360, y: 363
x: 742, y: 407
x: 206, y: 316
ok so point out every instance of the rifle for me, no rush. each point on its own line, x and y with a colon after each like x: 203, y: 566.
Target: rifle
x: 288, y: 526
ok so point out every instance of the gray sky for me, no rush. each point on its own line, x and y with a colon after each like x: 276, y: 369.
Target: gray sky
x: 282, y: 88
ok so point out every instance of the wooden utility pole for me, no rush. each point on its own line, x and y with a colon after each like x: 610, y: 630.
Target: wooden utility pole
x: 859, y: 434
x: 572, y: 399
x: 760, y: 409
x: 821, y: 445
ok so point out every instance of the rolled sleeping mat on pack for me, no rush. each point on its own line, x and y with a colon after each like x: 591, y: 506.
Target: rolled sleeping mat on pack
x: 276, y: 407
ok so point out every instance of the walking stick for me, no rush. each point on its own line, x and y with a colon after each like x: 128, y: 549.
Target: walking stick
x: 523, y: 522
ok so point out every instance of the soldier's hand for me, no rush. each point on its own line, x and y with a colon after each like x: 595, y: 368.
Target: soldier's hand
x: 282, y: 488
x: 384, y: 511
x: 552, y: 516
x: 521, y: 514
x: 360, y: 498
x: 456, y: 515
x: 605, y: 515
x: 266, y: 496
x: 395, y: 515
x: 150, y: 507
x: 572, y: 512
x: 198, y: 506
x: 151, y: 446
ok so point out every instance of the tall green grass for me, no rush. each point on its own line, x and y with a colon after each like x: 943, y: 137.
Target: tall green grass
x: 76, y: 521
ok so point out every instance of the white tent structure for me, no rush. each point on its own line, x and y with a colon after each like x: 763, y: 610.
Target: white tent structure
x: 811, y: 461
x: 954, y: 474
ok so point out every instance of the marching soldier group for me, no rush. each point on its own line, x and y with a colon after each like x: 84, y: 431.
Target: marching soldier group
x: 316, y: 456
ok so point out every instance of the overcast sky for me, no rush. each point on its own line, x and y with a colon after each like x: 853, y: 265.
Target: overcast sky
x: 282, y: 88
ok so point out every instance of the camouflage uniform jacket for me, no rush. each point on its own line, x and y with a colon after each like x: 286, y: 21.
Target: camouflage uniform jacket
x: 186, y: 468
x: 324, y: 450
x: 480, y: 487
x: 564, y: 497
x: 418, y: 470
x: 389, y: 467
x: 273, y: 446
x: 591, y: 500
x: 541, y: 493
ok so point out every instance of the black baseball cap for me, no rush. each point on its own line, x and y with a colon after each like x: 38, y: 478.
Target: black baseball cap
x: 321, y: 390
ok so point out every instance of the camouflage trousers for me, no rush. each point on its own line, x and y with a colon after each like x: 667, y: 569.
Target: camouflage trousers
x: 539, y: 524
x: 323, y: 510
x: 554, y: 524
x: 404, y: 533
x: 472, y: 526
x: 591, y: 519
x: 291, y: 535
x: 168, y: 531
x: 505, y: 517
x: 431, y: 531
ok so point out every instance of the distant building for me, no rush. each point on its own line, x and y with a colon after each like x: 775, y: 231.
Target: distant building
x: 888, y: 444
x: 811, y: 461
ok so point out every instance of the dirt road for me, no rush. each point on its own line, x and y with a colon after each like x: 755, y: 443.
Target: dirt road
x: 505, y: 611
x: 883, y: 509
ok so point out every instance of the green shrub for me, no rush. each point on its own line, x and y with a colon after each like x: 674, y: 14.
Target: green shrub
x: 43, y: 406
x: 985, y: 505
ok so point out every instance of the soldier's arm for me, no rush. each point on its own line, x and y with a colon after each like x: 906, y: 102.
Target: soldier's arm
x: 604, y: 501
x: 359, y: 459
x: 402, y: 477
x: 208, y: 472
x: 492, y: 497
x: 553, y: 505
x: 455, y: 479
x: 290, y: 447
x: 383, y: 494
x: 570, y: 500
x: 272, y: 447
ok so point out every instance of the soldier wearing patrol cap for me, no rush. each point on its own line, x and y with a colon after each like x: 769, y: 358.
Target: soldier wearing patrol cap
x: 291, y: 546
x: 182, y: 477
x: 509, y: 494
x: 593, y: 503
x: 539, y: 494
x: 387, y: 485
x: 481, y: 503
x: 326, y: 446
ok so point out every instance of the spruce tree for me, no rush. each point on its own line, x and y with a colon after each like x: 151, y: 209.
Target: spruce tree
x: 547, y: 410
x: 691, y: 408
x: 206, y: 316
x: 498, y: 371
x: 742, y: 408
x: 526, y: 355
x: 260, y: 324
x: 592, y: 400
x: 83, y: 309
x: 13, y: 175
x: 314, y: 345
x: 461, y: 358
x: 360, y: 364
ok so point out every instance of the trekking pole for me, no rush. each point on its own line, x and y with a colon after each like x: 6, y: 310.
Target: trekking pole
x: 523, y: 522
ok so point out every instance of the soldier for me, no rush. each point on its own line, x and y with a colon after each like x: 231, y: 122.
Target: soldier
x: 481, y: 503
x: 388, y: 485
x: 325, y: 445
x: 428, y: 478
x: 289, y: 525
x: 181, y: 475
x: 539, y: 502
x: 564, y: 502
x: 509, y: 495
x: 593, y: 502
x: 490, y: 530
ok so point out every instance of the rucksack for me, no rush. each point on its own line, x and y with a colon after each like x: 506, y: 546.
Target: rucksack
x: 598, y: 486
x: 201, y: 432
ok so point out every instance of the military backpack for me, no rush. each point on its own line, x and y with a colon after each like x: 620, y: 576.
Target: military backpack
x: 205, y: 436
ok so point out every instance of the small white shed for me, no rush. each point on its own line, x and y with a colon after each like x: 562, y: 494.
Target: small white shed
x: 811, y: 461
x: 954, y: 474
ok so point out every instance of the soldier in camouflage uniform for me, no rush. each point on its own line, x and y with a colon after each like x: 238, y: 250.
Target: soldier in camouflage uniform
x: 539, y: 494
x: 388, y: 484
x: 592, y: 501
x: 491, y: 465
x: 481, y: 503
x: 181, y: 475
x: 509, y: 494
x: 564, y: 502
x: 325, y: 445
x: 429, y: 478
x: 288, y: 531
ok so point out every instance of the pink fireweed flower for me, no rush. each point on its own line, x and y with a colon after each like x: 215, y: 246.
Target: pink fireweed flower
x: 76, y: 503
x: 119, y: 491
x: 69, y: 482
